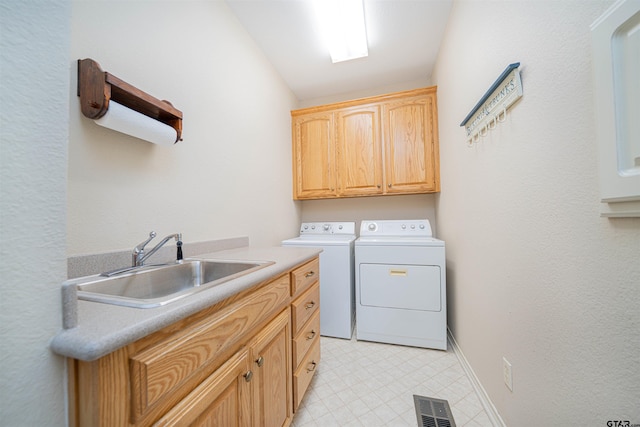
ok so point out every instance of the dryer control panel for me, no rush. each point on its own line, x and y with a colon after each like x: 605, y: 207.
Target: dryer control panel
x: 400, y: 228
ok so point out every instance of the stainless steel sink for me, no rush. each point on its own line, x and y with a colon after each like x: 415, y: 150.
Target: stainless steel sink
x: 154, y: 286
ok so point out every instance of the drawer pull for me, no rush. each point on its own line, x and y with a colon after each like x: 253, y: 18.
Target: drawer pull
x: 311, y: 367
x: 309, y: 274
x: 311, y: 335
x: 248, y: 376
x: 260, y: 361
x: 310, y: 305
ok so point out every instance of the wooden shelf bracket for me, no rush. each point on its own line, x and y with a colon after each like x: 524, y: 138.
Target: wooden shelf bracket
x: 96, y: 88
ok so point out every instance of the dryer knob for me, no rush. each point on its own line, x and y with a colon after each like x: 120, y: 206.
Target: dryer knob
x: 340, y: 227
x: 325, y: 227
x: 372, y: 227
x: 404, y: 226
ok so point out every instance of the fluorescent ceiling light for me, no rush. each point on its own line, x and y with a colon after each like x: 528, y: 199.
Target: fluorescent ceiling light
x: 342, y: 24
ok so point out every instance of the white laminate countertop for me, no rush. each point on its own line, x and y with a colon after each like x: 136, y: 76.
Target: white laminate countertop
x: 104, y: 328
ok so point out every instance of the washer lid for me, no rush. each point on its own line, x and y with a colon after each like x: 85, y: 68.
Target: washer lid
x: 321, y: 240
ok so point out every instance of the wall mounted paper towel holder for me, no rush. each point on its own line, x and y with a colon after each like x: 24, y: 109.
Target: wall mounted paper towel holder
x: 96, y: 88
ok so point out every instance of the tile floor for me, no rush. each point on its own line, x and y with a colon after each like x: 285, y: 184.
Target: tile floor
x: 361, y: 383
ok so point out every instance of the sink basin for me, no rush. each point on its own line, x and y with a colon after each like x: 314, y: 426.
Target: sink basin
x: 154, y: 286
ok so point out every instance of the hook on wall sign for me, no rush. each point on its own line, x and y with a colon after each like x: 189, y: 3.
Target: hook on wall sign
x: 492, y: 107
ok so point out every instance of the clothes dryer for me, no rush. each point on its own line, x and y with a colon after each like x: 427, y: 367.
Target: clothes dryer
x: 401, y: 284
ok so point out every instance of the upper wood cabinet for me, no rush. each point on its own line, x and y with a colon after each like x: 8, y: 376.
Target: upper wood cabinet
x: 372, y: 146
x: 359, y: 151
x: 314, y: 156
x: 411, y: 145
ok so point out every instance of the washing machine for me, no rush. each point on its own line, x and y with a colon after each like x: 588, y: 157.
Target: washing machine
x: 401, y: 284
x: 337, y: 275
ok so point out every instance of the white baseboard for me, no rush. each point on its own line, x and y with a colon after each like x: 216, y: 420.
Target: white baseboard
x: 488, y: 406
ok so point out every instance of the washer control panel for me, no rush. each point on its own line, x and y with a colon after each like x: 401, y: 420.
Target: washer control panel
x: 415, y: 227
x: 328, y: 228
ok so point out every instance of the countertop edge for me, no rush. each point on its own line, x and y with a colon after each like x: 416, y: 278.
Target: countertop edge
x: 93, y: 338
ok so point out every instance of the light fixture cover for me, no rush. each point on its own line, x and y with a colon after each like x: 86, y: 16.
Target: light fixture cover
x: 343, y: 26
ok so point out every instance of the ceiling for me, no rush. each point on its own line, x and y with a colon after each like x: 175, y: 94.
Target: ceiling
x: 404, y: 37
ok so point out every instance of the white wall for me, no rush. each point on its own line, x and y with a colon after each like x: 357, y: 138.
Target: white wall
x: 34, y: 52
x: 416, y: 206
x: 231, y: 176
x: 534, y: 273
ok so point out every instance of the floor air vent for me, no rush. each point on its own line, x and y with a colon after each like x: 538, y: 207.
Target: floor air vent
x: 433, y: 412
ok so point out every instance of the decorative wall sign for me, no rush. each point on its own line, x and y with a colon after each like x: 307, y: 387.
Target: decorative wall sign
x: 492, y: 107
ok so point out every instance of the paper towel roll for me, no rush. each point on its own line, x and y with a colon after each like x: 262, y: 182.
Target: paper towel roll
x: 130, y: 122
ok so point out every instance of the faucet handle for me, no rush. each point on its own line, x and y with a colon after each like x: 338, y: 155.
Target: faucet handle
x: 179, y: 251
x: 141, y: 246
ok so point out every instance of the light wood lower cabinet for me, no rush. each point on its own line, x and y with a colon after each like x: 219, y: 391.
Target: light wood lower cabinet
x: 305, y: 325
x: 271, y: 365
x: 228, y: 365
x: 223, y: 399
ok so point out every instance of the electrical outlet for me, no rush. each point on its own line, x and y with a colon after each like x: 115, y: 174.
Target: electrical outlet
x: 507, y: 374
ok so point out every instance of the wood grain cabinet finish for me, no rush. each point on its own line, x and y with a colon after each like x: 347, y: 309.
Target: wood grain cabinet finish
x: 305, y: 325
x: 157, y: 371
x: 271, y: 365
x: 304, y: 276
x: 314, y: 156
x: 305, y: 338
x: 230, y: 364
x: 359, y: 151
x: 305, y: 306
x: 373, y: 146
x: 411, y: 149
x: 222, y: 399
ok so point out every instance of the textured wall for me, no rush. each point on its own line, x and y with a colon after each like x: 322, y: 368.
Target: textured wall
x: 34, y: 49
x: 231, y: 176
x: 534, y: 273
x: 364, y: 208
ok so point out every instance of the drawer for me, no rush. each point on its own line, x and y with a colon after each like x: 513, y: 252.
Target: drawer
x: 304, y: 307
x: 302, y: 277
x: 158, y: 372
x: 303, y: 375
x: 305, y: 338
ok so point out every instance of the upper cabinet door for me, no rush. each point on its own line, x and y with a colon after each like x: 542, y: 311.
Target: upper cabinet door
x: 314, y: 156
x: 411, y: 157
x: 359, y: 151
x: 385, y: 144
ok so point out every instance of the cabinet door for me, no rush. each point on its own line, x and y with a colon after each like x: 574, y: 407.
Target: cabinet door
x: 272, y: 381
x: 223, y: 399
x: 359, y: 152
x: 313, y: 156
x: 410, y: 145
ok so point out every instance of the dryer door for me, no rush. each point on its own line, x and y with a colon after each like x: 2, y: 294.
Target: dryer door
x: 411, y: 287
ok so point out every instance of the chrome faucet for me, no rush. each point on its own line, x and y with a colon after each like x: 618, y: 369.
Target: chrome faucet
x: 139, y: 256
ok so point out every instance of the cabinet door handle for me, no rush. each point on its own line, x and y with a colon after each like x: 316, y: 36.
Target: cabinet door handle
x: 310, y: 305
x: 309, y: 274
x: 311, y: 367
x: 311, y: 335
x: 260, y: 361
x: 378, y: 185
x: 248, y: 376
x: 389, y: 185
